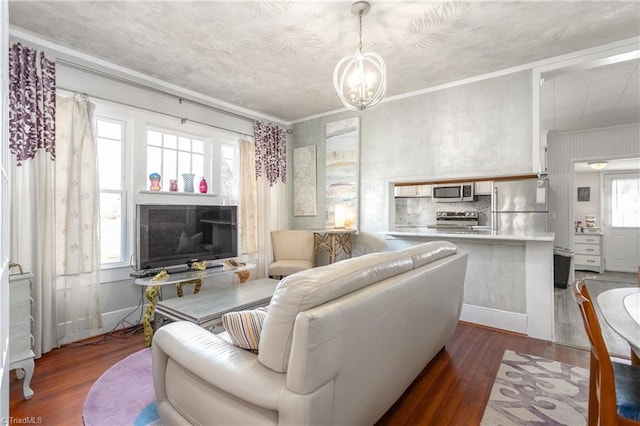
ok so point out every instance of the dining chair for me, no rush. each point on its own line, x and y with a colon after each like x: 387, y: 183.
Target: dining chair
x: 614, y: 388
x: 293, y: 251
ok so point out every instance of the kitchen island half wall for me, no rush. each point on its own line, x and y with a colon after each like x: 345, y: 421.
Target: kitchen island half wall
x: 509, y: 280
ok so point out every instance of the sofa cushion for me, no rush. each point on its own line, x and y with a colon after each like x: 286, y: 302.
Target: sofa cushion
x: 244, y: 327
x: 313, y: 287
x: 422, y: 254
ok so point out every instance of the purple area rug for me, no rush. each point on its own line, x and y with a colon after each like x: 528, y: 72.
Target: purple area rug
x: 123, y: 395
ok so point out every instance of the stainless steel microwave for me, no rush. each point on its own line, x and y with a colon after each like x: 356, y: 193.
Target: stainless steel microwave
x: 453, y: 192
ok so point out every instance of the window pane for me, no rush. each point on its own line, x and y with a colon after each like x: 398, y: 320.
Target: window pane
x: 197, y: 166
x: 106, y: 129
x: 154, y: 138
x: 109, y: 163
x: 170, y: 141
x: 110, y: 143
x: 169, y: 168
x: 229, y: 174
x: 154, y: 160
x: 625, y: 203
x: 184, y: 162
x: 110, y: 228
x: 184, y: 144
x: 197, y: 146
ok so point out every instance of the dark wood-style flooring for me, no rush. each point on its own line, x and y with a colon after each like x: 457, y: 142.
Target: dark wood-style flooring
x: 452, y: 390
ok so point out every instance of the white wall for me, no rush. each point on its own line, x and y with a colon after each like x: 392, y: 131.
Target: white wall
x: 473, y: 130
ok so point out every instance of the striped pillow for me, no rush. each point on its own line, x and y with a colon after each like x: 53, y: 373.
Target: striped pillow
x: 244, y: 327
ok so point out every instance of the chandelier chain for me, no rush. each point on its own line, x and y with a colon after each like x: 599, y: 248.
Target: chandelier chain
x: 360, y: 34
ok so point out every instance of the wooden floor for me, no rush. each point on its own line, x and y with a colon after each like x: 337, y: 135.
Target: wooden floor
x: 453, y: 389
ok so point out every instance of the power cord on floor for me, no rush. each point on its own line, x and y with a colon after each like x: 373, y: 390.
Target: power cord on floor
x: 121, y: 330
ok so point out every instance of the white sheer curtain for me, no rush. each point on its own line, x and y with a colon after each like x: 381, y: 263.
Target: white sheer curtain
x: 32, y: 242
x: 262, y: 209
x: 77, y: 204
x: 32, y: 111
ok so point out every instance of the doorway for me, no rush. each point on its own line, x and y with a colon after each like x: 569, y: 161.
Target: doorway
x: 622, y: 221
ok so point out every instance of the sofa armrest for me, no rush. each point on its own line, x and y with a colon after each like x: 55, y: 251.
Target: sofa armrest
x: 215, y: 361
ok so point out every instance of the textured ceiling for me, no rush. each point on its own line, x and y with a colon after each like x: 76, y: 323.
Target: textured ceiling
x: 277, y: 57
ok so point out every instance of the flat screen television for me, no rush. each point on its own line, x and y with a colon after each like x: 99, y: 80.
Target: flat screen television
x: 169, y: 235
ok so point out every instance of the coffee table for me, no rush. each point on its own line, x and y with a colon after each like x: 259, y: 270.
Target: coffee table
x: 207, y: 307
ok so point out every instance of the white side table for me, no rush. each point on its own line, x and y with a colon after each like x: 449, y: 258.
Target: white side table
x: 21, y: 356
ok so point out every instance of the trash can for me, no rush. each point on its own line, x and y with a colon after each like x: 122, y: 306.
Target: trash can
x: 561, y: 266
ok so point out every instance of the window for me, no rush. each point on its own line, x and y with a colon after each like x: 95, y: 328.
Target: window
x: 230, y: 172
x: 110, y: 137
x: 625, y: 203
x: 172, y: 154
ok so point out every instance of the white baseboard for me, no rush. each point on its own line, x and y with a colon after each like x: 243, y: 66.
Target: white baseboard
x: 495, y: 318
x: 110, y: 320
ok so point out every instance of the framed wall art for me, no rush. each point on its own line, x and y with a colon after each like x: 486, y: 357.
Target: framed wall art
x: 304, y: 181
x: 342, y: 173
x: 584, y: 193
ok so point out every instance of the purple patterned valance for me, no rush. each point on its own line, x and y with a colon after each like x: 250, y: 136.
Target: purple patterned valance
x: 271, y: 151
x: 32, y: 103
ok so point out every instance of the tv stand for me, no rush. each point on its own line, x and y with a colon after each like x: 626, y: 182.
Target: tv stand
x: 192, y: 276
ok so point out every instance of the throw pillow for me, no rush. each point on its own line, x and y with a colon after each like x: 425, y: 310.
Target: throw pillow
x: 244, y: 327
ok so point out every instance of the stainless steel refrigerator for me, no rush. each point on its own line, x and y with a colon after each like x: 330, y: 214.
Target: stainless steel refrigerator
x: 520, y: 206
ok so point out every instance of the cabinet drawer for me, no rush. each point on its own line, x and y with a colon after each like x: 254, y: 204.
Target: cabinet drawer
x: 587, y: 239
x: 590, y: 249
x: 583, y: 259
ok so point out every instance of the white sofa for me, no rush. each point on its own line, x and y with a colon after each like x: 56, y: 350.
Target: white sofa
x: 339, y: 345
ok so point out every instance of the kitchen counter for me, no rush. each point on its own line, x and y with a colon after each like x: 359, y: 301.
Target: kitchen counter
x: 481, y: 234
x: 509, y: 277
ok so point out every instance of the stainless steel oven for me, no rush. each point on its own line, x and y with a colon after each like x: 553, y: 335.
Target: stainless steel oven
x: 453, y: 192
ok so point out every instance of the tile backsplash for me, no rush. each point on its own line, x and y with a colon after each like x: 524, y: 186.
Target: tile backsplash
x: 420, y: 212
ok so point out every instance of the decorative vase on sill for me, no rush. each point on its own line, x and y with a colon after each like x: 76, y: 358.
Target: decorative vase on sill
x: 155, y: 182
x: 188, y: 182
x: 173, y: 185
x: 203, y: 186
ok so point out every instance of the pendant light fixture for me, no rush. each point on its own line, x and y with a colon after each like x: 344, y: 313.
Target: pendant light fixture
x: 361, y: 79
x: 598, y: 165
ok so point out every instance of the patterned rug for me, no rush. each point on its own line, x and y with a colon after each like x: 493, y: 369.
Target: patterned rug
x: 530, y: 390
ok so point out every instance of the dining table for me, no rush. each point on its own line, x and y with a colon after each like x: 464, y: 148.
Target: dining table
x: 621, y: 310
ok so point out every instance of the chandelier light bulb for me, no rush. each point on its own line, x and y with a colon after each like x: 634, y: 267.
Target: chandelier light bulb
x: 360, y: 71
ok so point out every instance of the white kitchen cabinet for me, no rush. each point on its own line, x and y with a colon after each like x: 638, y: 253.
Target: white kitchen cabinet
x: 405, y: 191
x: 484, y: 187
x: 412, y: 190
x: 588, y: 252
x: 21, y: 356
x: 423, y: 190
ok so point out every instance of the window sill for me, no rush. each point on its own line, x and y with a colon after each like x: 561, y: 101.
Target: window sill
x: 190, y: 194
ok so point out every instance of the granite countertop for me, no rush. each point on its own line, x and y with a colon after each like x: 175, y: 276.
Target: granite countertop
x: 479, y: 234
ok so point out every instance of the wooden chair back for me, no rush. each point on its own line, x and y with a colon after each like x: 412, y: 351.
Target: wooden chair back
x: 602, y: 408
x: 602, y: 390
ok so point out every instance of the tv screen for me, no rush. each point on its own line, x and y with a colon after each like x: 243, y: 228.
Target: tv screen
x: 170, y: 235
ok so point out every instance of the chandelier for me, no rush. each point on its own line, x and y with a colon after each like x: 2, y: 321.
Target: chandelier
x: 361, y: 79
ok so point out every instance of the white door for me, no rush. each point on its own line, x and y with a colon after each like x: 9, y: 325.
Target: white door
x: 4, y: 216
x: 622, y: 222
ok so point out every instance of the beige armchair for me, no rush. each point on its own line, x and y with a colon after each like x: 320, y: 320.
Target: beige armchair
x: 292, y: 252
